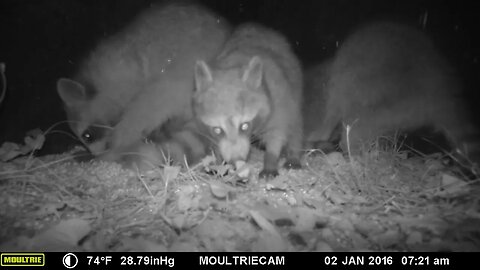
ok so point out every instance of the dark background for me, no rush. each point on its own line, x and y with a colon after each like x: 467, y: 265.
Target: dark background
x: 42, y: 40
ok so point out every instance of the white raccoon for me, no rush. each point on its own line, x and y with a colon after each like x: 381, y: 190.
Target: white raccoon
x: 136, y: 80
x: 252, y: 89
x: 388, y: 77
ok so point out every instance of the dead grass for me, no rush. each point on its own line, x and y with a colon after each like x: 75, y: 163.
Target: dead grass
x: 380, y: 200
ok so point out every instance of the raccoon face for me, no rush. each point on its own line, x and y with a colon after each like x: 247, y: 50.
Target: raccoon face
x: 231, y: 134
x: 229, y: 102
x: 94, y: 137
x: 88, y: 127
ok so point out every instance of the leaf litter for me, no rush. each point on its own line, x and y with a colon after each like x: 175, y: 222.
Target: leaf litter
x: 379, y: 201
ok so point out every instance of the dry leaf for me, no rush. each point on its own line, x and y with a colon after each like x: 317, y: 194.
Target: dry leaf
x: 141, y: 244
x: 268, y: 242
x: 171, y: 172
x: 208, y: 160
x: 187, y: 198
x: 414, y: 238
x: 264, y: 223
x: 323, y: 247
x: 9, y: 151
x: 306, y: 219
x: 63, y: 236
x: 34, y: 139
x: 452, y: 186
x: 219, y: 190
x: 242, y: 169
x: 335, y: 159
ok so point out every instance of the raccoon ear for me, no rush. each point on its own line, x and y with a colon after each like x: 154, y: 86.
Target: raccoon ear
x: 71, y: 92
x: 254, y: 73
x: 203, y: 76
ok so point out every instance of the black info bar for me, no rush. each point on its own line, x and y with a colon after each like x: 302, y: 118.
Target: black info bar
x: 231, y: 260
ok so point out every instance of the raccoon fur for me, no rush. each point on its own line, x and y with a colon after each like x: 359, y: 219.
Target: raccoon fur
x: 135, y: 81
x: 388, y: 77
x: 253, y: 89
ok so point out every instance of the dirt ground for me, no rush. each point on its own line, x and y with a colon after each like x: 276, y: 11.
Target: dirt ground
x: 380, y: 201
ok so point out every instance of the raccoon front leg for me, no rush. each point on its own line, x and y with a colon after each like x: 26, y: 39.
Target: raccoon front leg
x: 274, y: 142
x: 294, y: 149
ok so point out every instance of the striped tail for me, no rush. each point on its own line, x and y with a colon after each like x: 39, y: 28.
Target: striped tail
x: 176, y: 143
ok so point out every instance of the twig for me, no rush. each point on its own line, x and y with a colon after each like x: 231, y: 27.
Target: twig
x: 3, y: 91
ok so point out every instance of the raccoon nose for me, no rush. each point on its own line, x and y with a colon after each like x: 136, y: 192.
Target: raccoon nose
x: 234, y: 150
x: 231, y: 156
x: 236, y: 158
x: 232, y: 141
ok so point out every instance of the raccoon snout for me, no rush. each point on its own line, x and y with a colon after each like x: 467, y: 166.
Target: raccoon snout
x: 97, y: 147
x: 234, y: 150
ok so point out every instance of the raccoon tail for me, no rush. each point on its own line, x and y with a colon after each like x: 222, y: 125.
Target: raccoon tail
x: 184, y: 148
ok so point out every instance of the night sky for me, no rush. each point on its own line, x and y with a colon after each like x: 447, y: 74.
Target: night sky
x: 43, y: 40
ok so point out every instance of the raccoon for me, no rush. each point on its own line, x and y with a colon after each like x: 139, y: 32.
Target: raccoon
x: 136, y: 80
x: 388, y: 77
x: 252, y: 89
x: 315, y: 99
x: 177, y: 142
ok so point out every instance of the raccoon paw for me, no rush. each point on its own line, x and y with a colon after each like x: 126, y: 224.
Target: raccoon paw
x: 268, y: 173
x: 292, y: 163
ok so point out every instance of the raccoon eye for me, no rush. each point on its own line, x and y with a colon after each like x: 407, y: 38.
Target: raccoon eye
x: 244, y: 126
x: 87, y: 137
x: 217, y: 130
